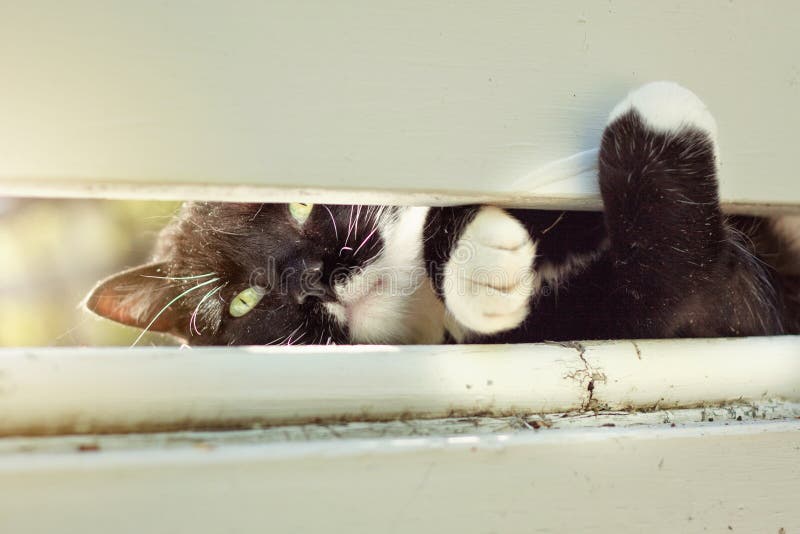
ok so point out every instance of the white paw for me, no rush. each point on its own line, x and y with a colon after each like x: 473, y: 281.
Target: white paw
x: 668, y: 107
x: 488, y: 281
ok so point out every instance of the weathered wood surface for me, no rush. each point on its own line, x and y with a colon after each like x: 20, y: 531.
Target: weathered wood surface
x: 82, y: 390
x: 744, y: 477
x: 710, y: 416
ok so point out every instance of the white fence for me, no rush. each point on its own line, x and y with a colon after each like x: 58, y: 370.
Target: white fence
x: 417, y: 103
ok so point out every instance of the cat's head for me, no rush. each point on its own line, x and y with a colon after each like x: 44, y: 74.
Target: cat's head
x: 226, y: 273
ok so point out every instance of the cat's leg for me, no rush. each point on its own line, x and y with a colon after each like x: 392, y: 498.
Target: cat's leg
x: 481, y: 261
x: 657, y: 172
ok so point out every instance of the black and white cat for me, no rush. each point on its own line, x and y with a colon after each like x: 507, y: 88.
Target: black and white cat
x: 660, y: 261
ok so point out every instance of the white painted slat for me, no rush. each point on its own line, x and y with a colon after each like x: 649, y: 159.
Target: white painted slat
x: 50, y: 391
x: 414, y: 99
x: 715, y: 478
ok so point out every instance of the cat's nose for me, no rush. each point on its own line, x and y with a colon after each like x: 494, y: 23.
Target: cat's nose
x: 310, y: 283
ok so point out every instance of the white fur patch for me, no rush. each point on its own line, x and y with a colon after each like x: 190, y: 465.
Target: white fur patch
x: 488, y: 280
x: 668, y: 107
x: 391, y: 300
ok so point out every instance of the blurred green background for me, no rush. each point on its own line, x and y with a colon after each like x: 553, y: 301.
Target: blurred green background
x: 51, y: 254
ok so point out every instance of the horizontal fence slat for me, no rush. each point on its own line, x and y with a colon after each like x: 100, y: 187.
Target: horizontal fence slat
x: 741, y: 478
x: 255, y: 193
x: 415, y: 103
x: 50, y: 391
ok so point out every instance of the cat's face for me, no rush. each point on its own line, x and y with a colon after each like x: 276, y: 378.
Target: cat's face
x: 281, y: 274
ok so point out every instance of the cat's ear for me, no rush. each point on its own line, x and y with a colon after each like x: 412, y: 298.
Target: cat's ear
x: 137, y: 297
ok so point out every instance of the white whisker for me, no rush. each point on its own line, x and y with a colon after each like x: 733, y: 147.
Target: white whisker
x: 372, y: 233
x: 178, y: 277
x: 193, y: 319
x: 333, y: 221
x: 170, y: 303
x: 349, y: 225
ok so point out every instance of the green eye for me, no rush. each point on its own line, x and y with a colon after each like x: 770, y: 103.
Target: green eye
x: 245, y: 301
x: 300, y: 211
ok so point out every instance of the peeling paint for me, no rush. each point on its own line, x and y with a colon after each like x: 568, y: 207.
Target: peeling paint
x: 734, y: 414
